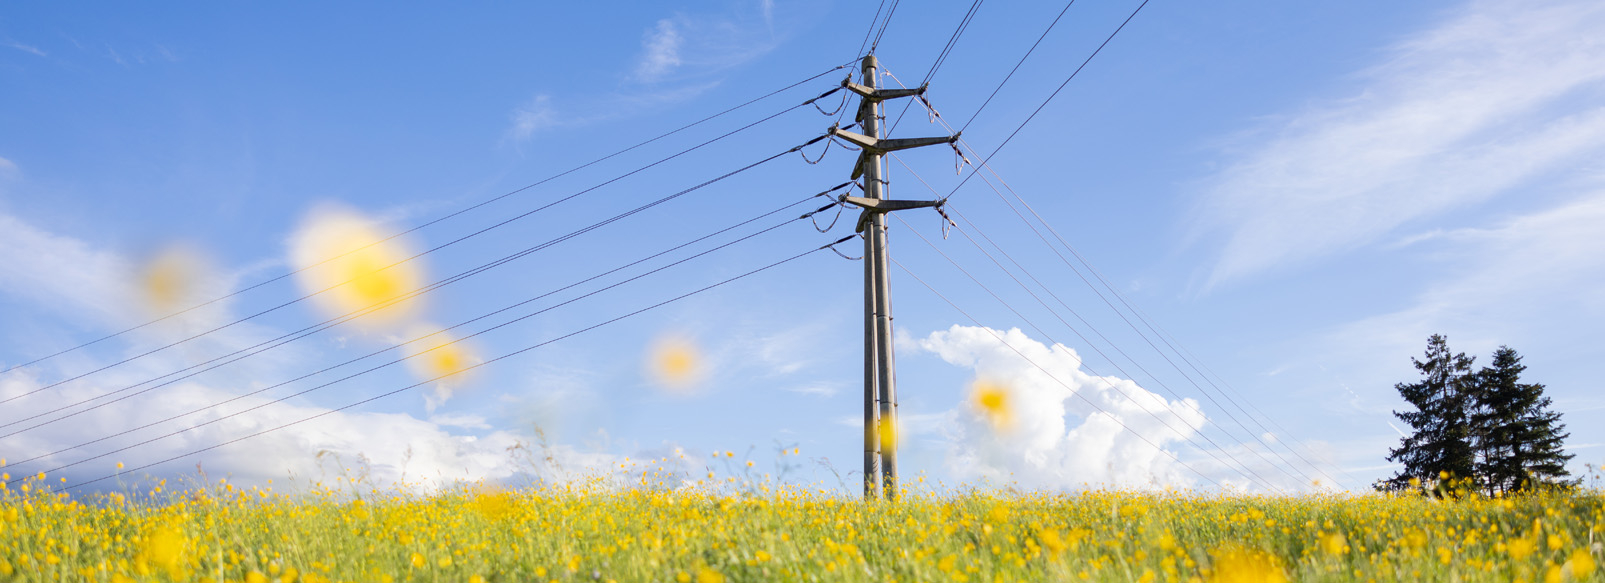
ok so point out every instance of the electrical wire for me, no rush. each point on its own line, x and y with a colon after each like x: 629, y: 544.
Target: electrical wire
x: 1055, y: 93
x: 1017, y: 65
x: 310, y: 330
x: 431, y: 222
x: 461, y: 324
x: 884, y: 23
x: 437, y: 247
x: 1045, y: 371
x: 1252, y: 435
x: 419, y: 384
x: 871, y: 30
x: 941, y: 58
x: 1243, y: 468
x: 1088, y: 342
x: 1153, y: 327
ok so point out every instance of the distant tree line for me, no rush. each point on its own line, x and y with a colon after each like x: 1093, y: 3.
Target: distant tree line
x: 1485, y: 426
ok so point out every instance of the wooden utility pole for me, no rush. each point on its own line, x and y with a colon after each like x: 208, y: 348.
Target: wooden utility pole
x: 880, y: 378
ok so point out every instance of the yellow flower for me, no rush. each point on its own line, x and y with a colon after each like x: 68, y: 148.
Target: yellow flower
x: 1334, y: 544
x: 706, y: 575
x: 1521, y: 548
x: 1238, y: 565
x: 353, y: 266
x: 992, y: 401
x: 1582, y: 564
x: 417, y: 561
x: 255, y: 577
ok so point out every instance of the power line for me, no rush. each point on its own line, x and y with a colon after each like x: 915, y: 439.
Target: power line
x: 987, y: 166
x: 444, y: 245
x: 871, y: 30
x: 884, y: 23
x: 432, y: 222
x: 419, y: 384
x: 1100, y: 335
x: 310, y: 330
x: 1017, y: 65
x: 1152, y: 327
x: 459, y: 325
x: 1054, y: 94
x: 1243, y: 469
x: 941, y: 57
x: 1045, y: 371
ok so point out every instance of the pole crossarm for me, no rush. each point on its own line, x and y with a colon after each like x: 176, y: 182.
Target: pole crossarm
x: 874, y: 148
x: 874, y: 95
x: 881, y: 146
x: 873, y: 206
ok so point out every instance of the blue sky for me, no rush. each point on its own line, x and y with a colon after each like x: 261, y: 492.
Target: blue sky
x: 1297, y: 194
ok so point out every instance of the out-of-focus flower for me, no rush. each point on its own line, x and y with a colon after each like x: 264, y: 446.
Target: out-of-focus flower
x: 354, y: 267
x: 994, y: 403
x: 437, y: 355
x: 674, y: 362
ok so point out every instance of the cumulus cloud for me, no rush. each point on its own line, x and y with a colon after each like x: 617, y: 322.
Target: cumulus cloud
x: 1055, y: 436
x: 1490, y: 100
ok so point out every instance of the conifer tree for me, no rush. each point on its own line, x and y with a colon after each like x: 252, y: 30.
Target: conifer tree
x: 1442, y: 441
x: 1519, y: 438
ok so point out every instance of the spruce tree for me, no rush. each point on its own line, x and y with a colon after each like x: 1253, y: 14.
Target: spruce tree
x: 1519, y: 437
x: 1442, y: 441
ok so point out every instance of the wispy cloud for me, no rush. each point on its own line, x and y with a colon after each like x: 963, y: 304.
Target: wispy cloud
x: 534, y: 116
x: 660, y: 51
x: 681, y: 57
x: 26, y: 48
x: 1470, y: 110
x: 1530, y: 269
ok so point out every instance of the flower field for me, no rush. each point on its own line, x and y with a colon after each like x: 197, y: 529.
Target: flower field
x: 578, y: 533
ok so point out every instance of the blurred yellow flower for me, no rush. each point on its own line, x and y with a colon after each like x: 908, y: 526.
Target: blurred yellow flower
x: 434, y: 354
x: 674, y: 362
x: 994, y: 404
x: 172, y: 279
x: 1240, y: 565
x: 353, y: 267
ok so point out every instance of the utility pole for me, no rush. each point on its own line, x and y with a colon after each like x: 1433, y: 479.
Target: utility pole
x: 880, y: 378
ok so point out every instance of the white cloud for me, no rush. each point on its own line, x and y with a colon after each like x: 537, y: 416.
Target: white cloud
x: 533, y: 117
x: 26, y: 48
x: 7, y: 167
x: 821, y: 388
x: 1529, y: 271
x: 1495, y: 98
x: 1042, y: 447
x: 660, y: 51
x: 681, y: 57
x: 79, y: 281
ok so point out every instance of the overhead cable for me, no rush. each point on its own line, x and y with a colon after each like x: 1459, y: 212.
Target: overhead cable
x: 439, y: 247
x: 456, y: 326
x: 304, y: 332
x: 1061, y: 382
x: 1242, y: 469
x: 431, y: 222
x: 499, y: 358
